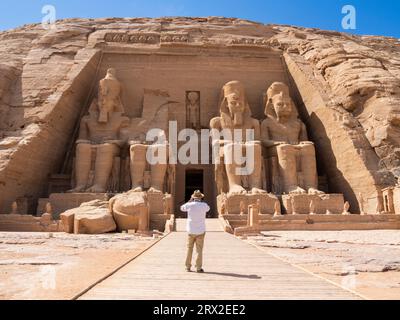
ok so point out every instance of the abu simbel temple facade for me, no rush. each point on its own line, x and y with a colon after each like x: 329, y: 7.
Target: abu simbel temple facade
x: 314, y: 115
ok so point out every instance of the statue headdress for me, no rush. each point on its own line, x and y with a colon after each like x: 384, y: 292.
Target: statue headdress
x: 277, y: 88
x: 227, y: 89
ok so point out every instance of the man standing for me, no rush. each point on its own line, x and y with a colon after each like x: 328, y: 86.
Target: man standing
x: 196, y: 209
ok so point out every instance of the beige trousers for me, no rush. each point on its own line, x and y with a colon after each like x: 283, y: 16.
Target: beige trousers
x: 199, y: 241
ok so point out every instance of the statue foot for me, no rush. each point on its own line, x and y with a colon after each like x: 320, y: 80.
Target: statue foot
x: 297, y: 190
x: 154, y: 190
x: 237, y: 190
x: 258, y: 191
x: 314, y: 191
x: 137, y: 189
x: 78, y: 189
x: 96, y: 189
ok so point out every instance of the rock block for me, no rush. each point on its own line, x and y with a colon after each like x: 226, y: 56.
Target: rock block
x: 332, y: 202
x: 232, y: 203
x: 61, y: 202
x: 131, y: 211
x: 89, y: 218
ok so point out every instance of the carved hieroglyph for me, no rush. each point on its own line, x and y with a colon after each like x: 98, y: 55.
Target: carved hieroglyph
x: 294, y: 169
x: 99, y: 136
x: 235, y: 114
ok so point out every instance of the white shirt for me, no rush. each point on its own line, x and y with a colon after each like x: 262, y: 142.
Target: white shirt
x: 196, y: 222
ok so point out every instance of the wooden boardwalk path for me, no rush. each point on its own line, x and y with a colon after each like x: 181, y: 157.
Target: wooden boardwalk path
x: 234, y: 270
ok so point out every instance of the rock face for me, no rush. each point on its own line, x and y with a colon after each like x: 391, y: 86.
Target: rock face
x: 347, y: 89
x: 90, y: 218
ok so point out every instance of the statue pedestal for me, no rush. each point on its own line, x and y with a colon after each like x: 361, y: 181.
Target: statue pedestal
x: 61, y: 202
x: 332, y: 202
x: 159, y: 203
x: 233, y: 203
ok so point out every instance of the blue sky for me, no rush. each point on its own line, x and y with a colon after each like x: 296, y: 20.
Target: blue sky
x: 378, y: 17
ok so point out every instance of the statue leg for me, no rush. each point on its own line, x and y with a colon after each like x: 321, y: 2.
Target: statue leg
x: 255, y: 177
x: 159, y: 170
x: 234, y: 179
x: 309, y: 168
x: 288, y: 168
x: 83, y: 163
x: 138, y: 166
x: 104, y: 162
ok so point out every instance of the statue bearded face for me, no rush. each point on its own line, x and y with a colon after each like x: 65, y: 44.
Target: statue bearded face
x: 237, y: 106
x: 283, y: 106
x: 105, y: 109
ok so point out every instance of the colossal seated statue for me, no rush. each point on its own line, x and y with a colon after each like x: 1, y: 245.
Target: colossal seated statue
x: 285, y: 137
x: 149, y: 144
x: 147, y: 173
x: 235, y: 119
x: 100, y: 137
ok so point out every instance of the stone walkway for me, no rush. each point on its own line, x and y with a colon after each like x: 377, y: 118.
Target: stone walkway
x: 234, y: 270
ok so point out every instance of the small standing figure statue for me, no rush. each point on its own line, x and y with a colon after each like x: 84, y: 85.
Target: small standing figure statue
x: 14, y: 208
x: 346, y: 208
x: 361, y: 204
x: 242, y: 208
x: 277, y: 209
x: 294, y: 209
x: 193, y: 110
x: 312, y: 208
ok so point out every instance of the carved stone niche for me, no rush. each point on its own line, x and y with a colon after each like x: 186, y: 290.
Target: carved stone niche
x: 193, y: 110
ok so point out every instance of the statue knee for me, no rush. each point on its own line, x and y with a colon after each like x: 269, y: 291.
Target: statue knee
x: 83, y: 148
x: 308, y: 149
x: 285, y: 148
x: 138, y: 147
x: 109, y: 148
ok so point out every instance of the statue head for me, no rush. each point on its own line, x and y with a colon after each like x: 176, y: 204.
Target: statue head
x: 278, y: 103
x: 193, y: 97
x: 234, y: 106
x: 111, y: 73
x: 109, y: 97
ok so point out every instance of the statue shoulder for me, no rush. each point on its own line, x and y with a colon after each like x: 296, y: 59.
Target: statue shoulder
x: 85, y: 119
x: 268, y: 121
x: 215, y: 123
x: 255, y: 122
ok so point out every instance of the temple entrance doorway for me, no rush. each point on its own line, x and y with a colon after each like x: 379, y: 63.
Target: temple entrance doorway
x: 194, y: 180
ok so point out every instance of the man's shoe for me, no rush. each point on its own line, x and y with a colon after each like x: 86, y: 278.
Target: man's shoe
x: 188, y: 270
x: 200, y: 271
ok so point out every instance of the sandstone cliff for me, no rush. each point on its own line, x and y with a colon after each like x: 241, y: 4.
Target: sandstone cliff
x: 348, y: 90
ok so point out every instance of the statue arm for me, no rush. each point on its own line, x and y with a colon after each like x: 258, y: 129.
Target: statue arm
x: 215, y: 123
x: 83, y: 132
x: 303, y: 133
x: 265, y: 136
x: 257, y: 130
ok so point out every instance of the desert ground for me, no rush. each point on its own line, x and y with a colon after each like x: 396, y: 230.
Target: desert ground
x: 59, y: 266
x: 367, y: 262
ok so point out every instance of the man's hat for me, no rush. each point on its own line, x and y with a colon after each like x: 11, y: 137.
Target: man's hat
x: 197, y: 195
